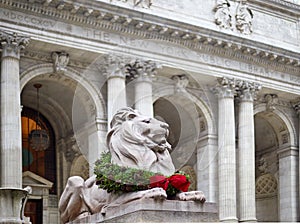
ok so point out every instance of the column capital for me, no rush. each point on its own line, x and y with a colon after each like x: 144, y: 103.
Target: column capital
x: 246, y: 91
x: 12, y: 44
x: 115, y: 66
x: 225, y: 88
x: 144, y: 70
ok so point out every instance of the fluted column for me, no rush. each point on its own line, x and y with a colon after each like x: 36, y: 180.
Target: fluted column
x: 11, y: 138
x: 225, y: 91
x: 246, y: 151
x: 143, y: 72
x: 116, y: 91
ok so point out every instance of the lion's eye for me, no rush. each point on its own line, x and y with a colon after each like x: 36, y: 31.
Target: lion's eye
x: 146, y: 121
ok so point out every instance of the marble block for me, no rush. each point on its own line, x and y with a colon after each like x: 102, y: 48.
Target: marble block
x: 151, y: 210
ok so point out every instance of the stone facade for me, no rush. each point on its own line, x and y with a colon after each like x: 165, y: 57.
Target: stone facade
x: 224, y: 74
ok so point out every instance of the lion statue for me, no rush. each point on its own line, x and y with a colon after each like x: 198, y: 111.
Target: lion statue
x: 134, y: 141
x: 140, y: 142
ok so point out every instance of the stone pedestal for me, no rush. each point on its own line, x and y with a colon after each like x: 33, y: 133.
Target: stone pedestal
x: 150, y: 210
x: 12, y: 203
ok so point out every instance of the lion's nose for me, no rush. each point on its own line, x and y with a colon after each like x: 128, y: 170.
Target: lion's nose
x: 164, y: 125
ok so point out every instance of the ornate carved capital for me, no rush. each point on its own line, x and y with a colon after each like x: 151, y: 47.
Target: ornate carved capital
x: 225, y: 88
x: 12, y: 44
x: 247, y: 91
x: 271, y: 101
x: 181, y: 82
x: 60, y: 61
x: 115, y: 66
x: 143, y: 70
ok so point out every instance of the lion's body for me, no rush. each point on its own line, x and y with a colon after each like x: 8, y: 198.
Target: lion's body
x: 134, y: 141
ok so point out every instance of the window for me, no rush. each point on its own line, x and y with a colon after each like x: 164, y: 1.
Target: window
x: 42, y: 163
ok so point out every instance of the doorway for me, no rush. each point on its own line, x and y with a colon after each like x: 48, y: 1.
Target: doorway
x: 34, y: 210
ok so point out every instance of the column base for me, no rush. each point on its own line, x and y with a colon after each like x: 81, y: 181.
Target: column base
x: 248, y: 220
x: 229, y: 219
x: 12, y: 204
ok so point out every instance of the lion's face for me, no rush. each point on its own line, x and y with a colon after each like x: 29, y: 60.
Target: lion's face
x: 151, y: 128
x: 139, y: 141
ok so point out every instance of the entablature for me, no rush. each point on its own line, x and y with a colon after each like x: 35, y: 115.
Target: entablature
x: 104, y: 16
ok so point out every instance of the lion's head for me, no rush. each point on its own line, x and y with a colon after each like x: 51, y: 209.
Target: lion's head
x: 140, y: 142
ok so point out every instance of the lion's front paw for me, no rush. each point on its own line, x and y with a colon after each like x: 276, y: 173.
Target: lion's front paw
x: 191, y: 196
x: 156, y: 193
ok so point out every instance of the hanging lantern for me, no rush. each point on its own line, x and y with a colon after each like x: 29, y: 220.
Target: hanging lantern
x: 38, y: 138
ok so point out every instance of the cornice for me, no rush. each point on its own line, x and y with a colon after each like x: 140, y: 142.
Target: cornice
x: 279, y: 5
x: 145, y: 26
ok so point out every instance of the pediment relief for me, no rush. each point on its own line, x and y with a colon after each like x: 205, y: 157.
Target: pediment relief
x: 32, y: 179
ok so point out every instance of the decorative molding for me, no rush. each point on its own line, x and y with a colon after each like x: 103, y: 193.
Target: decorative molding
x: 226, y: 88
x: 271, y: 101
x: 142, y: 69
x: 244, y: 17
x: 60, y: 61
x: 141, y: 3
x: 296, y: 106
x: 12, y: 43
x: 114, y: 65
x: 193, y: 37
x: 247, y: 91
x: 47, y: 58
x: 222, y: 14
x: 181, y: 82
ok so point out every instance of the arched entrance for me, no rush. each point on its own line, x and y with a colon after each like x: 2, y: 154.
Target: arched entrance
x: 68, y: 103
x: 275, y: 165
x: 192, y: 138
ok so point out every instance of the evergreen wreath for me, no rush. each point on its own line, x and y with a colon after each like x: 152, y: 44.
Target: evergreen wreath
x: 115, y: 178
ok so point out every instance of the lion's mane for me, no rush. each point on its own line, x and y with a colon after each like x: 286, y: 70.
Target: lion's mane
x: 138, y: 141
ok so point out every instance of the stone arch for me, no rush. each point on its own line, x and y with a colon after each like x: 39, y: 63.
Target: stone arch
x: 291, y: 130
x: 207, y: 113
x: 41, y: 69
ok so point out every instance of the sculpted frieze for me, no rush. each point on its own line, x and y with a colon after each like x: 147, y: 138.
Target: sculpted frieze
x: 125, y: 43
x: 140, y: 3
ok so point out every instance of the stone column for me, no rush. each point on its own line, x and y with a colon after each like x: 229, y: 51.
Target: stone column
x: 143, y: 72
x: 288, y: 184
x: 225, y: 91
x: 207, y: 175
x: 246, y: 151
x: 11, y: 136
x: 116, y: 90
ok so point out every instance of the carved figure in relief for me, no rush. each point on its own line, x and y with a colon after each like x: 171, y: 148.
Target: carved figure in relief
x: 134, y: 141
x: 143, y: 3
x: 244, y: 18
x: 222, y: 14
x: 60, y: 61
x: 271, y: 101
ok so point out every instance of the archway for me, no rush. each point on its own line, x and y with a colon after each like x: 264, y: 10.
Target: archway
x: 274, y: 146
x: 192, y: 137
x: 73, y: 107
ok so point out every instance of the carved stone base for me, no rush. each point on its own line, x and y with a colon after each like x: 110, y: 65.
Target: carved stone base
x: 150, y: 210
x: 12, y: 203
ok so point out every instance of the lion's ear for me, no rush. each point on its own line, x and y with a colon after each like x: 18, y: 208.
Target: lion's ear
x: 130, y: 116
